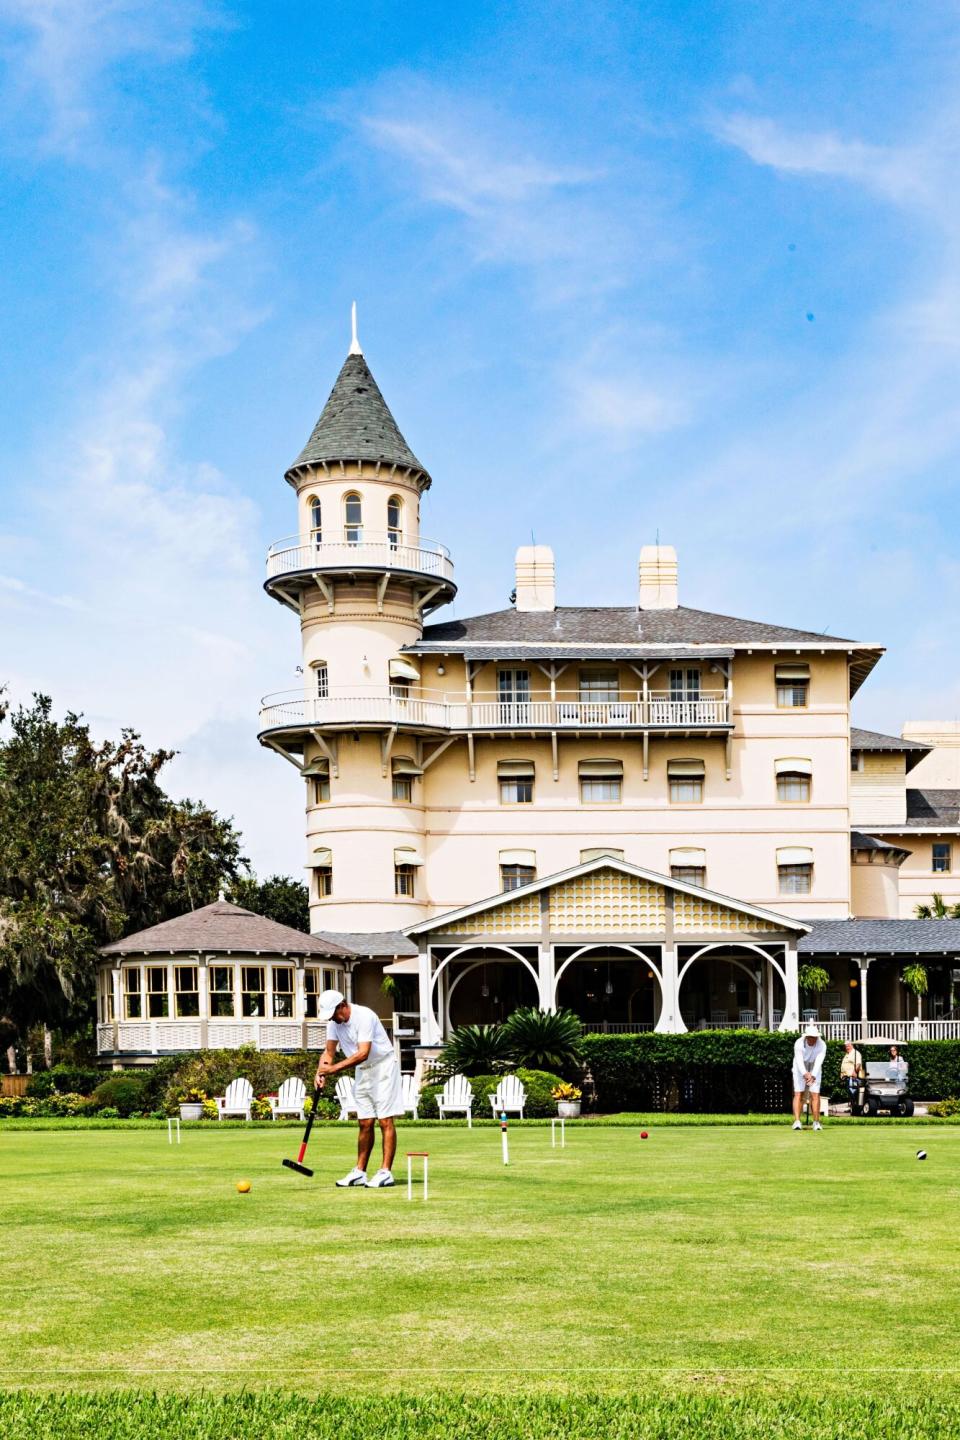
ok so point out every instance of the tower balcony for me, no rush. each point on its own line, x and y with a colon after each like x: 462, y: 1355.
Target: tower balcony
x: 297, y: 561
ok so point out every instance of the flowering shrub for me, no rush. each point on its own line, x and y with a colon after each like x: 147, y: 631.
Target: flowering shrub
x: 210, y: 1111
x: 260, y: 1108
x: 563, y: 1091
x: 193, y: 1095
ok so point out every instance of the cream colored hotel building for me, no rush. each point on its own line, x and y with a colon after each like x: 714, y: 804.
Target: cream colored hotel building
x: 647, y: 813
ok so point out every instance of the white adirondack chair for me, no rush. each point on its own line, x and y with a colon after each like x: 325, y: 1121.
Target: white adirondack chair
x: 457, y: 1099
x: 411, y: 1094
x: 509, y: 1097
x: 237, y: 1101
x: 346, y: 1097
x: 289, y: 1100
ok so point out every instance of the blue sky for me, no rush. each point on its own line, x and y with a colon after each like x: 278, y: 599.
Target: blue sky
x: 679, y: 268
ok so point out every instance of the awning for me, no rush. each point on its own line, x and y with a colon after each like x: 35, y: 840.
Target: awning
x: 405, y: 765
x: 598, y: 852
x: 795, y: 855
x: 316, y: 664
x: 793, y: 766
x: 507, y: 768
x: 407, y: 855
x: 518, y: 857
x: 401, y: 669
x: 686, y: 767
x: 600, y: 768
x: 409, y: 965
x: 688, y: 855
x: 792, y: 672
x: 322, y: 855
x: 317, y: 769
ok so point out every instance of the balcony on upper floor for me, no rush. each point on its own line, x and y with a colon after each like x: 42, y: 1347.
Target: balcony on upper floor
x: 451, y: 713
x: 299, y: 560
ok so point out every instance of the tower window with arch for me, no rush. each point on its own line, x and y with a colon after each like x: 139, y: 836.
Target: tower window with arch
x: 316, y: 519
x: 394, y: 521
x: 353, y: 518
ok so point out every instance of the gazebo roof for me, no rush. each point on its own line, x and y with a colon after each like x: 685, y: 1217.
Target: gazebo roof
x: 222, y: 928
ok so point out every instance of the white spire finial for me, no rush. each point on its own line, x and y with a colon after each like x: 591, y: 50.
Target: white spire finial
x: 354, y: 342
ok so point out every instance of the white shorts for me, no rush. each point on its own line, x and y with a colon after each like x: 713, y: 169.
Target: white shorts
x: 799, y: 1084
x: 378, y: 1089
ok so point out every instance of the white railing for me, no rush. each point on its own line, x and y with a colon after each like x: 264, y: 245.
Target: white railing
x: 168, y: 1037
x: 616, y: 1027
x: 371, y: 550
x: 446, y: 711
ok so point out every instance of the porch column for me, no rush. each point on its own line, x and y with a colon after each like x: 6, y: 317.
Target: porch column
x: 670, y: 1022
x: 791, y: 1001
x: 864, y: 965
x: 429, y: 1030
x: 348, y: 983
x: 203, y: 999
x: 117, y: 997
x: 546, y: 977
x: 300, y: 1000
x: 768, y: 999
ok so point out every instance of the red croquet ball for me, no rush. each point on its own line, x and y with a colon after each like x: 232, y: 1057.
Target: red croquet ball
x: 644, y: 1135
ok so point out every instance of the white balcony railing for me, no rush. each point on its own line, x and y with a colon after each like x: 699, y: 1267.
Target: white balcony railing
x: 370, y: 551
x: 458, y: 713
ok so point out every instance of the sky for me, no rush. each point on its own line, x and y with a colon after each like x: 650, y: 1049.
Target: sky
x: 687, y: 270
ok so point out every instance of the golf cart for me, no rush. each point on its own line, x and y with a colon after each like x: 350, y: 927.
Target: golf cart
x: 876, y: 1092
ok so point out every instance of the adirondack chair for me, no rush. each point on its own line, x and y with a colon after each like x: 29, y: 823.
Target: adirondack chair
x: 411, y: 1094
x: 509, y: 1097
x: 346, y: 1097
x: 456, y: 1098
x: 237, y: 1101
x: 290, y: 1100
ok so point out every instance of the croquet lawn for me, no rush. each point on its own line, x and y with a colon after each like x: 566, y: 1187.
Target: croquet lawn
x: 705, y: 1260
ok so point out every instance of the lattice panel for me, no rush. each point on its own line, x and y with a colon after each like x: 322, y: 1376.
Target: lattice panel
x: 226, y: 1035
x: 316, y: 1034
x: 104, y: 1038
x: 185, y: 1036
x: 286, y: 1036
x: 516, y: 917
x: 693, y: 914
x: 606, y: 900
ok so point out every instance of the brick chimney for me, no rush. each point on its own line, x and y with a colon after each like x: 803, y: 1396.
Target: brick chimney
x: 658, y: 577
x: 536, y: 578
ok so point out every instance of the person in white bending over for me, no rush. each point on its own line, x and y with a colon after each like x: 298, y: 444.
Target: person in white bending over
x: 367, y: 1051
x: 808, y: 1056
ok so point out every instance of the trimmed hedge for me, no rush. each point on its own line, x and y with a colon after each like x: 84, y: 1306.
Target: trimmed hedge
x: 737, y: 1071
x: 122, y: 1093
x: 538, y: 1085
x: 63, y: 1080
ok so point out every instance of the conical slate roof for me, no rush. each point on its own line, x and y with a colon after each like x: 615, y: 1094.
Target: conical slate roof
x: 356, y: 424
x: 218, y: 929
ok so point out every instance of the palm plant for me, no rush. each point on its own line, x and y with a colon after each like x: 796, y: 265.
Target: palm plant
x: 937, y: 909
x: 475, y: 1050
x: 545, y: 1039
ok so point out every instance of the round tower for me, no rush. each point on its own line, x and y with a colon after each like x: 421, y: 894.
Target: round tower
x: 361, y: 578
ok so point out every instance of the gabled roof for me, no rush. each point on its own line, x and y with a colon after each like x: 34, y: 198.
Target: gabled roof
x: 222, y: 928
x: 356, y: 424
x: 604, y: 862
x: 873, y: 740
x: 928, y: 808
x: 882, y: 937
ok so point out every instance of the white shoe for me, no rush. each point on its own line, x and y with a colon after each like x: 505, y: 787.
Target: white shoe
x: 796, y: 1126
x: 356, y: 1177
x: 381, y: 1181
x: 817, y: 1125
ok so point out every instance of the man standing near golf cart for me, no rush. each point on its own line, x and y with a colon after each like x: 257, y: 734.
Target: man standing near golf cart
x: 808, y: 1056
x: 368, y: 1051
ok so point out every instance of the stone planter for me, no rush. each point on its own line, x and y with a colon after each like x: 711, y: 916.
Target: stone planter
x: 568, y: 1109
x: 191, y: 1110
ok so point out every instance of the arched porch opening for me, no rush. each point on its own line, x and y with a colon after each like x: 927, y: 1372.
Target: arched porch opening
x: 482, y: 985
x: 730, y: 985
x: 612, y: 986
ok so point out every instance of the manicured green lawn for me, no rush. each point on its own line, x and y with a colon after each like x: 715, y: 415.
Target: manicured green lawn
x: 704, y: 1261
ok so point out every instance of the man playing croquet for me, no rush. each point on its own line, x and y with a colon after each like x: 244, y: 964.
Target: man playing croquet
x: 808, y: 1056
x: 368, y: 1051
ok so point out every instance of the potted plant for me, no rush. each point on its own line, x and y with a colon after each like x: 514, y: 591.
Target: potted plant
x: 568, y: 1100
x: 191, y: 1103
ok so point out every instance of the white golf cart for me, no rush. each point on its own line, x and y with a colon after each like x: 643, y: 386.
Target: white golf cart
x: 876, y: 1091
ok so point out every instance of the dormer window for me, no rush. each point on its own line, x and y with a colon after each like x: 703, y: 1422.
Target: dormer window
x: 353, y: 519
x: 394, y: 522
x: 316, y: 520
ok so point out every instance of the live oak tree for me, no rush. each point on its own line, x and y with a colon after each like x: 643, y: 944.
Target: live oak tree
x: 91, y: 848
x: 279, y: 897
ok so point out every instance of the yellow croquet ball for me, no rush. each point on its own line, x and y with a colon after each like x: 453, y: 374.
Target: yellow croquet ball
x: 243, y: 1186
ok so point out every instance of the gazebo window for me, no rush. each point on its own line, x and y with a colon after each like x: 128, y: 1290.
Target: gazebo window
x: 186, y: 992
x: 252, y: 990
x: 942, y: 857
x: 394, y: 521
x: 333, y: 979
x: 793, y: 780
x: 793, y: 686
x: 312, y: 986
x: 283, y: 992
x: 158, y: 996
x: 222, y: 1005
x: 132, y: 999
x: 795, y: 870
x: 601, y: 782
x: 685, y: 779
x: 515, y: 778
x: 353, y: 519
x: 316, y: 520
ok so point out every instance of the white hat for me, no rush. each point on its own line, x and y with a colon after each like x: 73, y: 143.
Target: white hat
x: 810, y: 1029
x: 328, y: 1002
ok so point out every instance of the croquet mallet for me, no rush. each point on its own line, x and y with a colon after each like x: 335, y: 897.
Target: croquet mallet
x: 298, y: 1164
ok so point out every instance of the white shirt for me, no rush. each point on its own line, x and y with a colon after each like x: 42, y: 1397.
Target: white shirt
x: 808, y: 1059
x: 363, y: 1025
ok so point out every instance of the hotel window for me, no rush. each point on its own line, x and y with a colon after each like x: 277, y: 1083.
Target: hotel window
x: 516, y: 778
x: 793, y: 780
x: 602, y: 686
x: 352, y: 519
x: 690, y: 874
x: 185, y: 992
x: 942, y: 857
x: 517, y: 867
x: 158, y: 997
x: 405, y: 862
x: 685, y: 684
x: 394, y: 522
x: 316, y: 520
x: 403, y: 673
x: 403, y: 772
x: 282, y: 992
x: 312, y: 985
x: 795, y: 871
x: 513, y: 696
x: 253, y: 995
x: 685, y: 780
x: 132, y: 999
x: 319, y: 667
x: 689, y: 864
x: 222, y: 1005
x: 317, y: 774
x: 793, y: 686
x: 601, y: 782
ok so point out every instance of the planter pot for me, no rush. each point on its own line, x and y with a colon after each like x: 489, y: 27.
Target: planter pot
x: 191, y: 1110
x: 569, y: 1109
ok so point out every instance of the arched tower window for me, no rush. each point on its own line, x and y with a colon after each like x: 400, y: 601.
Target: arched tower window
x: 316, y: 519
x: 394, y: 521
x: 353, y: 519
